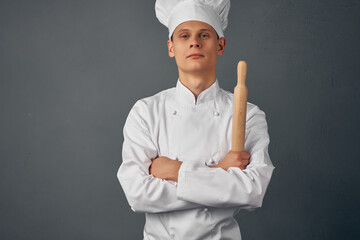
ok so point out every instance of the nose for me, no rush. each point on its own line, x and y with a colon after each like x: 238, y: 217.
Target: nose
x: 195, y: 42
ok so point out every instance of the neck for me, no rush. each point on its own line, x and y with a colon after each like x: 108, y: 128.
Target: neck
x: 197, y: 83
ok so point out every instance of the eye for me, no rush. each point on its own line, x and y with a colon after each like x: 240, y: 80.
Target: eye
x: 184, y: 36
x: 204, y: 35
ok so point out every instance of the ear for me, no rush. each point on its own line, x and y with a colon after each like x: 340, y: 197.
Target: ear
x: 221, y: 46
x: 170, y: 48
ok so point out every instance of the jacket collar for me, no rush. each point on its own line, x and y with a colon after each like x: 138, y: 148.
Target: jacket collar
x: 185, y: 96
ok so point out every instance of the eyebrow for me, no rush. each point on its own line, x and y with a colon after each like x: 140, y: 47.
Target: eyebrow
x: 201, y: 30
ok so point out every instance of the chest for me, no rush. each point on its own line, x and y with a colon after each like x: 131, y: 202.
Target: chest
x: 194, y: 133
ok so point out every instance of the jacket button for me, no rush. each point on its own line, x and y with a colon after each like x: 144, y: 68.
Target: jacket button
x: 206, y: 209
x: 216, y: 113
x: 174, y: 112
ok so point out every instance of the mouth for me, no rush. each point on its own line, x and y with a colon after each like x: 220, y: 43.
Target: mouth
x: 195, y: 55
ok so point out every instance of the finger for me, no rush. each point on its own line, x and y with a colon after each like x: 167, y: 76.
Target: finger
x: 245, y: 155
x: 243, y: 166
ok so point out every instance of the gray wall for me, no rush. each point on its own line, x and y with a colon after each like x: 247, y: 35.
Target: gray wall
x: 71, y: 70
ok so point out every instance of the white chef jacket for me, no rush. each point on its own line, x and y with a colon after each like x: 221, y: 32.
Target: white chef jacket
x: 204, y: 201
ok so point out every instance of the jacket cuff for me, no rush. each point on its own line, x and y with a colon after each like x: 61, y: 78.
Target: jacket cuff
x: 187, y: 168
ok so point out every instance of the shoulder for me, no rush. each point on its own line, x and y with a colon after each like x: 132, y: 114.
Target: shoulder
x: 155, y: 99
x: 148, y: 105
x: 144, y: 111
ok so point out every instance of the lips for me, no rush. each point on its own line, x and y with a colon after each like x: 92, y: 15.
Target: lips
x: 195, y: 55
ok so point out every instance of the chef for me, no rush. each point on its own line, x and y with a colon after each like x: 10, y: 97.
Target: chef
x: 177, y: 165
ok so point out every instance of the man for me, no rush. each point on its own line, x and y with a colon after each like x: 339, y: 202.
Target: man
x: 177, y: 164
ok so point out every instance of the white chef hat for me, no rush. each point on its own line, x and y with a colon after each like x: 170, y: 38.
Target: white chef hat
x: 171, y: 13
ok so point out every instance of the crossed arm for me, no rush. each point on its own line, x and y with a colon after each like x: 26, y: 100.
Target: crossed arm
x: 168, y: 169
x: 149, y: 181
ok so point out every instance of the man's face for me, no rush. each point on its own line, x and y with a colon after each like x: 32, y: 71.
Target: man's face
x: 195, y: 46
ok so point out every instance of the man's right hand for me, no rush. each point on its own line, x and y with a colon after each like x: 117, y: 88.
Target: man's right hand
x: 234, y: 159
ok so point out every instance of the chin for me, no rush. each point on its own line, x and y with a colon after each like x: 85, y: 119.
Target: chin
x: 197, y: 67
x: 200, y: 69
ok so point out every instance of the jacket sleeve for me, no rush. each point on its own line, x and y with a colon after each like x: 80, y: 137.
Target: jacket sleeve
x: 246, y: 188
x: 144, y: 192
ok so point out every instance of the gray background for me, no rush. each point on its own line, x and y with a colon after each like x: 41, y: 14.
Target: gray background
x: 71, y: 70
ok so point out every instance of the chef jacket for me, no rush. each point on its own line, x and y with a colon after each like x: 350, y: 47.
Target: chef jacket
x: 197, y: 132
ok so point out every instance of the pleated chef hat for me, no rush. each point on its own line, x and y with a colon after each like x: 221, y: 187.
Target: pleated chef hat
x: 172, y: 13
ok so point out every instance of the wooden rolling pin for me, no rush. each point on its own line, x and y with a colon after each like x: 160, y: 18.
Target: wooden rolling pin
x: 239, y: 114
